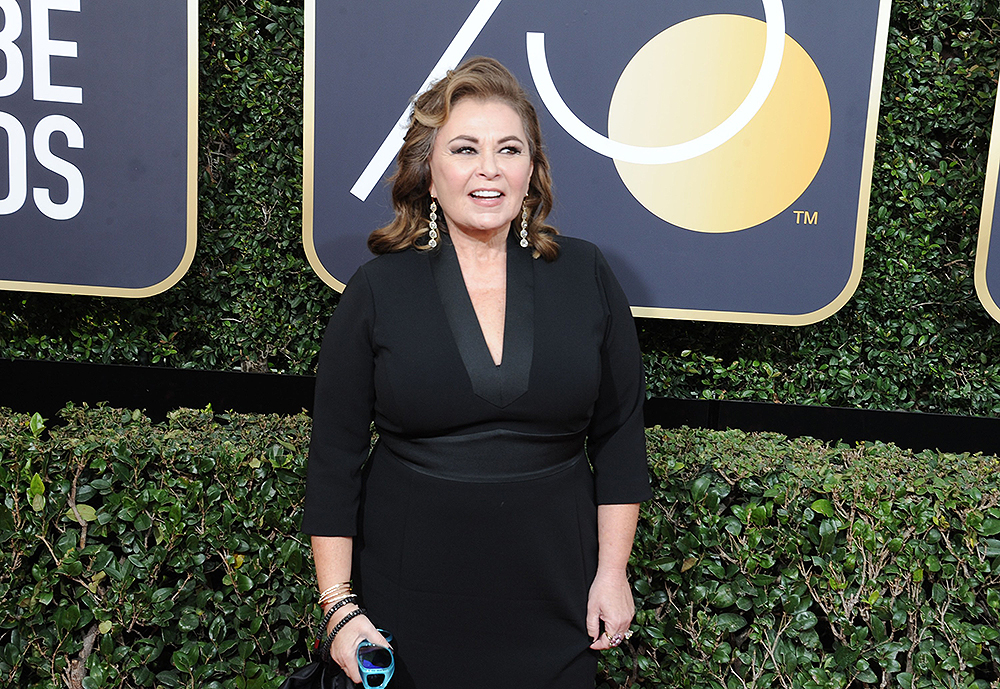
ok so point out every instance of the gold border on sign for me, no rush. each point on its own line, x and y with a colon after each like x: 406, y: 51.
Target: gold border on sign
x: 309, y: 148
x: 191, y: 214
x: 986, y: 217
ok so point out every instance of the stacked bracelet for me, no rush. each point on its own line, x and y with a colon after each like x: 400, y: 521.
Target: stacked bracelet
x: 352, y: 598
x: 335, y: 593
x: 324, y: 652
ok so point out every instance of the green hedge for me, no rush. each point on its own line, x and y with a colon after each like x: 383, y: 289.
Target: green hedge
x: 763, y: 561
x: 168, y: 555
x: 913, y: 337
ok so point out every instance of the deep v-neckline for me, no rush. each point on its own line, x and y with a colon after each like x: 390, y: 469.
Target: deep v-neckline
x: 490, y: 297
x: 499, y: 384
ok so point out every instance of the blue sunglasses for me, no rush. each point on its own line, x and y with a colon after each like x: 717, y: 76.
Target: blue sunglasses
x: 376, y: 663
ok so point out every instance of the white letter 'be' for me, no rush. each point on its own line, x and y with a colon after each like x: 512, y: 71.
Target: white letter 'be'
x: 44, y: 48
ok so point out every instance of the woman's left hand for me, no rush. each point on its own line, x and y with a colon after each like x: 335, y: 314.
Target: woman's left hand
x: 610, y: 601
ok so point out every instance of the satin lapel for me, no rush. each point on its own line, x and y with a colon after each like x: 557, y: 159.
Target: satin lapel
x: 499, y: 385
x: 519, y: 321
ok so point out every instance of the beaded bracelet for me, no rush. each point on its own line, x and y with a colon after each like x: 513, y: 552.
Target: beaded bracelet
x: 324, y: 653
x: 329, y: 613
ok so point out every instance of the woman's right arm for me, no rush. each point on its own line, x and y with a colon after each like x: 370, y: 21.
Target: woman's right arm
x: 341, y: 437
x: 332, y: 555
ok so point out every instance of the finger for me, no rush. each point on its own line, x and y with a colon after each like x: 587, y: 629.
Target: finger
x: 349, y: 665
x: 347, y: 642
x: 602, y: 643
x: 615, y: 629
x: 593, y: 624
x: 353, y: 672
x: 609, y: 639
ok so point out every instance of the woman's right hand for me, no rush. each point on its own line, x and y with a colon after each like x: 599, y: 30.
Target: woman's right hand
x: 344, y: 650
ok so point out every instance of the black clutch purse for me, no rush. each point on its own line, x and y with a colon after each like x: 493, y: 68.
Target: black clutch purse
x: 318, y: 675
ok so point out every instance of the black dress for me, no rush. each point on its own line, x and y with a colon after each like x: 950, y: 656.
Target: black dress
x: 475, y: 516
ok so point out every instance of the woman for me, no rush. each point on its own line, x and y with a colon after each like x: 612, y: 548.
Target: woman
x: 487, y: 353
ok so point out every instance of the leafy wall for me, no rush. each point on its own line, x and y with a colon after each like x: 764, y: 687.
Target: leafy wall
x: 169, y: 555
x: 913, y: 337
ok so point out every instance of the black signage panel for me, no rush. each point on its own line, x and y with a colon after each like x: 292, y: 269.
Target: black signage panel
x: 98, y: 131
x: 719, y: 151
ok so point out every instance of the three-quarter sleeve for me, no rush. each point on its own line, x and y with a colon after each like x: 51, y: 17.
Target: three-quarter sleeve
x: 616, y: 440
x: 342, y: 415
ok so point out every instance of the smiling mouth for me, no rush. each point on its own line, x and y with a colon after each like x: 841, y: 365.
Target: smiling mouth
x: 486, y: 194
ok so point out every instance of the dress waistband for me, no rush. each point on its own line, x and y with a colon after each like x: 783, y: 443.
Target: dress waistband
x: 495, y: 456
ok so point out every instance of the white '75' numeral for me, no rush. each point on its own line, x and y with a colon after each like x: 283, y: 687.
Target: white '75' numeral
x: 453, y: 54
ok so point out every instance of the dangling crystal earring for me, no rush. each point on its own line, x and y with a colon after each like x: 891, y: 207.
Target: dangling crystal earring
x: 433, y: 233
x: 524, y: 225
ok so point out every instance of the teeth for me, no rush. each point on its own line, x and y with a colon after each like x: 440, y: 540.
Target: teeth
x: 486, y: 194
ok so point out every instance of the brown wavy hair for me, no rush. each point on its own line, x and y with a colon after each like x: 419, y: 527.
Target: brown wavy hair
x: 481, y: 78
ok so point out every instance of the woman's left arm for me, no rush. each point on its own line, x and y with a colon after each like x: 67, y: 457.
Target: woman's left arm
x: 616, y: 445
x: 610, y: 598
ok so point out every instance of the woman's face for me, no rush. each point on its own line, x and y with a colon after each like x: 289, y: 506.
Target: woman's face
x: 480, y: 166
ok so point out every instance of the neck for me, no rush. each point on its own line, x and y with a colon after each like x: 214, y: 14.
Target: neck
x: 480, y: 245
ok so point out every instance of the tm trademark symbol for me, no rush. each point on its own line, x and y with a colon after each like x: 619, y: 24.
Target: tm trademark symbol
x: 806, y: 218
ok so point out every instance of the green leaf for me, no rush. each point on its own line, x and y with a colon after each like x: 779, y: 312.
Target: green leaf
x: 865, y: 673
x: 87, y: 513
x: 824, y: 507
x: 67, y: 617
x: 723, y: 597
x: 699, y: 488
x: 6, y: 523
x: 993, y: 598
x: 730, y: 622
x: 990, y: 527
x: 36, y: 424
x: 37, y: 486
x: 161, y: 594
x: 217, y: 630
x: 804, y: 620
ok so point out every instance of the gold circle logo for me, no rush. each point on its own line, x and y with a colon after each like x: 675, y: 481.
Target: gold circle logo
x: 662, y: 99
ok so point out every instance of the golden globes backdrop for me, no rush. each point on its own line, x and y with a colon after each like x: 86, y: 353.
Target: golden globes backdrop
x: 98, y: 135
x: 718, y: 151
x: 988, y: 248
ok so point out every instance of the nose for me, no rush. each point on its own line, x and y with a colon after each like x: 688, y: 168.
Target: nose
x: 488, y: 165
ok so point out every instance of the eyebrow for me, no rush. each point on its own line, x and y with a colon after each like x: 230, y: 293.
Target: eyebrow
x: 469, y: 137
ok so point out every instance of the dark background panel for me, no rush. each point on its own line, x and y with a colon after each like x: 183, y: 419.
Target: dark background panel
x: 45, y: 387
